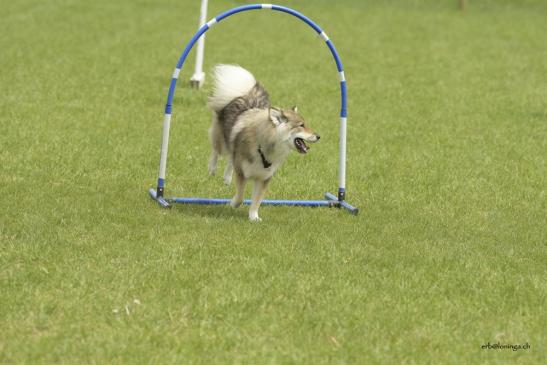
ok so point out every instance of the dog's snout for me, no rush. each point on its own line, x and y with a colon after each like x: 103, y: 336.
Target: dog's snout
x: 317, y: 137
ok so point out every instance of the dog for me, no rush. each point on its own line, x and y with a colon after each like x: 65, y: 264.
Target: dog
x: 256, y: 137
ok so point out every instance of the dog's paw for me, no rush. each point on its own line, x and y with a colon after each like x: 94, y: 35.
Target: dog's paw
x: 254, y: 218
x: 235, y: 203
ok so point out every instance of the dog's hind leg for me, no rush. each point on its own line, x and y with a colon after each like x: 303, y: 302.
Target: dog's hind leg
x: 228, y: 172
x: 216, y: 144
x: 259, y: 190
x: 240, y: 190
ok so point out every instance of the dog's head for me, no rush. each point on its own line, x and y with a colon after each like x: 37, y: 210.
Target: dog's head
x: 292, y: 128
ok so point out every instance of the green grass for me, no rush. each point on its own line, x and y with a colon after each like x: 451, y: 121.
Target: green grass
x: 446, y: 160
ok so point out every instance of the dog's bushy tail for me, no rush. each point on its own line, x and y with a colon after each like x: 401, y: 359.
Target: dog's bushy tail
x: 230, y: 82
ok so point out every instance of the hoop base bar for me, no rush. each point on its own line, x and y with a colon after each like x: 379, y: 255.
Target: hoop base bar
x: 217, y: 201
x: 332, y: 201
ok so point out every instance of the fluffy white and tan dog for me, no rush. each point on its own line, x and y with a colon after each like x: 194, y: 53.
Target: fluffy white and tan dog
x: 256, y: 137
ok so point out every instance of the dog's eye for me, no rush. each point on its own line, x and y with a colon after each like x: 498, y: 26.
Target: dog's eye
x: 301, y: 125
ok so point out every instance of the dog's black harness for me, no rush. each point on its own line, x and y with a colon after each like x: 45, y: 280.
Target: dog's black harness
x: 265, y: 162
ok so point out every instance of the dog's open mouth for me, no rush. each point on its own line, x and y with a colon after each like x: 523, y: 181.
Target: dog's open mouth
x: 300, y: 145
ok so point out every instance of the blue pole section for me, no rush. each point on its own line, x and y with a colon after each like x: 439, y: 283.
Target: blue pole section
x: 239, y: 9
x: 300, y: 16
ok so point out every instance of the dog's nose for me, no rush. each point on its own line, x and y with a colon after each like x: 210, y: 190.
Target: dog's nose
x: 318, y: 137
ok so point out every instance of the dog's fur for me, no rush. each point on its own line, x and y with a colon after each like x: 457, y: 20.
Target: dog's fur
x: 256, y: 137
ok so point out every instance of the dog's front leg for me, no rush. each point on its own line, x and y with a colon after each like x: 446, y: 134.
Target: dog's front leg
x: 228, y: 172
x: 259, y: 190
x: 240, y: 190
x: 213, y: 160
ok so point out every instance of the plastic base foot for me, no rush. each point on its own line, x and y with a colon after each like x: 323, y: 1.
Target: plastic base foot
x: 160, y: 200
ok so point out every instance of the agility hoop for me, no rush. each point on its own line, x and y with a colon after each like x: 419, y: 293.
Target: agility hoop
x: 331, y: 200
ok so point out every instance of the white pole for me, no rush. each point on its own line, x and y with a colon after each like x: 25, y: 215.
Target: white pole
x: 164, y: 147
x: 342, y: 161
x: 198, y: 78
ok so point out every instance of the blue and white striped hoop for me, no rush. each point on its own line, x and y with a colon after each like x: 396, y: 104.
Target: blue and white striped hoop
x: 339, y: 201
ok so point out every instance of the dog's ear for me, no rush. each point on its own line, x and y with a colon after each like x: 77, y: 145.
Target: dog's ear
x: 295, y: 109
x: 277, y: 117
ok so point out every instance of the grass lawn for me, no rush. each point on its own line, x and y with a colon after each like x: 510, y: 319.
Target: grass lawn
x: 447, y: 146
